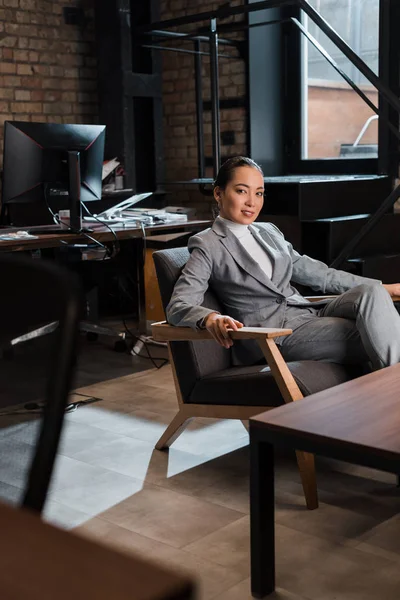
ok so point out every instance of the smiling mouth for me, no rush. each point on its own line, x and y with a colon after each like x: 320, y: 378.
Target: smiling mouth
x: 247, y: 212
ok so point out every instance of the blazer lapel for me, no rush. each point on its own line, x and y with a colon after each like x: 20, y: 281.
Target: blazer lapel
x: 241, y: 256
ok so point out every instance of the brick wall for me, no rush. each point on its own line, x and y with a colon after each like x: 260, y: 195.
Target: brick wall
x: 180, y: 141
x: 47, y: 69
x: 336, y: 116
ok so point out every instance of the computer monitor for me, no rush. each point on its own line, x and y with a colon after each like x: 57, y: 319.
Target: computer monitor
x: 48, y: 167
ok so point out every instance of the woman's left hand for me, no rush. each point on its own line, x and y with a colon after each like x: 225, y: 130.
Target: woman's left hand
x: 392, y: 288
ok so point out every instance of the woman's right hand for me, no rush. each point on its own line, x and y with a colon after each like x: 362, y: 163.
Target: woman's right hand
x: 218, y: 326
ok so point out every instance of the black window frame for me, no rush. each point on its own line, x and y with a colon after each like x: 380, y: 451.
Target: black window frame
x: 292, y: 57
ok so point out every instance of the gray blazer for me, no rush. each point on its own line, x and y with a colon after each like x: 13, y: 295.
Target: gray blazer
x: 246, y: 293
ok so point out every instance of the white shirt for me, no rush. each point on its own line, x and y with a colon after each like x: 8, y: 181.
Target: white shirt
x: 250, y: 244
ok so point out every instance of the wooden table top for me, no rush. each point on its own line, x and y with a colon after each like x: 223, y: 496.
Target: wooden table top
x: 361, y: 414
x: 42, y: 562
x: 99, y: 232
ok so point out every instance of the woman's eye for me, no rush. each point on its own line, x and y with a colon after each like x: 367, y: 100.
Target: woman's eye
x: 261, y: 194
x: 241, y: 191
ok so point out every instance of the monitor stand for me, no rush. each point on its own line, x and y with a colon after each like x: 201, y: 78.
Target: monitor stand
x: 74, y: 201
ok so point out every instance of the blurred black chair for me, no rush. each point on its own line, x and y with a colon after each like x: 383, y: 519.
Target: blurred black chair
x: 35, y: 293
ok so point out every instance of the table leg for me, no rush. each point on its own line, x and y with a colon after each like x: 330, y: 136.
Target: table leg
x: 262, y: 518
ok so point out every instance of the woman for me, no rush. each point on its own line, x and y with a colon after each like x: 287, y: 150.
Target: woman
x: 250, y: 267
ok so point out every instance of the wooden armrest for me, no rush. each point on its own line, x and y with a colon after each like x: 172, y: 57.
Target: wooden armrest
x: 162, y: 332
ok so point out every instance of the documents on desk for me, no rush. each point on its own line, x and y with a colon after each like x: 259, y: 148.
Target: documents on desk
x: 140, y: 216
x: 15, y: 235
x: 122, y: 214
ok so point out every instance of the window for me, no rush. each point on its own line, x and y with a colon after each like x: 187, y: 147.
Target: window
x: 336, y: 122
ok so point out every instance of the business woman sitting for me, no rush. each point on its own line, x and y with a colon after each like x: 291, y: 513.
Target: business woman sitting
x: 250, y: 267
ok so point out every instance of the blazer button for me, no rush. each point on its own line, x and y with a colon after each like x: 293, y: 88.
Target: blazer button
x: 279, y: 300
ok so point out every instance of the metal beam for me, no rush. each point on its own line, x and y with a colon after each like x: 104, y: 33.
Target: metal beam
x: 220, y: 13
x: 214, y: 80
x: 199, y: 111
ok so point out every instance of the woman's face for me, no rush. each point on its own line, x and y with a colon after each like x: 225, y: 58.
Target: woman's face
x: 243, y: 197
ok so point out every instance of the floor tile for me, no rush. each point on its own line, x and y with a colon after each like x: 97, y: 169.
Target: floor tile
x: 228, y: 546
x: 172, y: 518
x: 63, y: 516
x: 99, y: 491
x: 211, y: 579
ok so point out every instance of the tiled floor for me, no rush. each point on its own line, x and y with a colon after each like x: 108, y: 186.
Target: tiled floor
x: 189, y: 508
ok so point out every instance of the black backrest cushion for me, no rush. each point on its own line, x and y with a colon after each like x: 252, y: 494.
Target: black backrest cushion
x: 193, y: 360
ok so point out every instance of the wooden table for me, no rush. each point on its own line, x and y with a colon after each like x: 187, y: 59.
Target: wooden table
x: 42, y: 562
x: 357, y: 421
x: 99, y: 232
x: 104, y: 234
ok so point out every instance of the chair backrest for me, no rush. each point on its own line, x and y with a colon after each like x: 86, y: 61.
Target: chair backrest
x: 192, y: 360
x: 35, y: 293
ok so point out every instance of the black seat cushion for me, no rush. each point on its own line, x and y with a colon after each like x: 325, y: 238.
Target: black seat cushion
x: 255, y: 385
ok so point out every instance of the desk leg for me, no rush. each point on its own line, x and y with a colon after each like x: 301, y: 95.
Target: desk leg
x: 141, y: 297
x: 262, y: 518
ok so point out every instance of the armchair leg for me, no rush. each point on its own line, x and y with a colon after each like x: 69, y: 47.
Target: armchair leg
x: 306, y: 464
x: 173, y: 431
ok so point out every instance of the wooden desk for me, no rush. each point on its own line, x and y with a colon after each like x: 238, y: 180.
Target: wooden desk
x: 42, y: 562
x: 357, y: 421
x: 104, y: 234
x: 100, y: 233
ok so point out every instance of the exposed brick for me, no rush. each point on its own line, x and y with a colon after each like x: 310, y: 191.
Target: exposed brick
x: 10, y: 41
x: 11, y: 81
x: 30, y: 82
x: 37, y: 95
x: 8, y: 67
x: 23, y: 42
x: 71, y: 73
x: 64, y: 108
x: 8, y: 54
x: 69, y: 96
x: 26, y: 107
x: 6, y: 93
x: 21, y: 55
x: 43, y: 70
x: 57, y: 71
x: 27, y: 4
x: 22, y: 17
x: 22, y: 95
x: 24, y: 69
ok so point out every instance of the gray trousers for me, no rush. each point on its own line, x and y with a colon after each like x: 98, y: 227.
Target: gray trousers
x: 359, y: 326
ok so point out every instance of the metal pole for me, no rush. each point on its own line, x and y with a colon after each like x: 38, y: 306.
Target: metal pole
x: 216, y: 144
x: 199, y: 111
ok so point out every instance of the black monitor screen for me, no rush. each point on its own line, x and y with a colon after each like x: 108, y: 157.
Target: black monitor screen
x: 35, y: 168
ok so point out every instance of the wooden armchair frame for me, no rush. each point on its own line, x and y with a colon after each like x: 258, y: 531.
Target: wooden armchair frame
x: 287, y: 385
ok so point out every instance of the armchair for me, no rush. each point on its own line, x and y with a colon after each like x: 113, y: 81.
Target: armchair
x: 207, y: 385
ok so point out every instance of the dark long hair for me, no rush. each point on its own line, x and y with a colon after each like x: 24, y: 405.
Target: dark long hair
x: 226, y: 171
